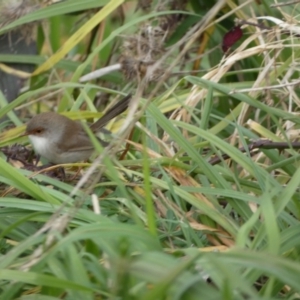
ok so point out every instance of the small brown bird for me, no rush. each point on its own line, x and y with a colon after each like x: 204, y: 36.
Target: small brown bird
x: 62, y: 140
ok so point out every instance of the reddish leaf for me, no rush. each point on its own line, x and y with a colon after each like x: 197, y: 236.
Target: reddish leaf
x: 231, y: 37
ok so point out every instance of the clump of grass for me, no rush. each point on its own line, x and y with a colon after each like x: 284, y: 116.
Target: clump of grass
x: 152, y: 217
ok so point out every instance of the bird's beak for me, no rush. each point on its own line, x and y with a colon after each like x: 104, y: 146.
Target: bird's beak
x: 24, y: 134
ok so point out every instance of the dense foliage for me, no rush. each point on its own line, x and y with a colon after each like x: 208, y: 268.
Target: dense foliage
x: 184, y: 203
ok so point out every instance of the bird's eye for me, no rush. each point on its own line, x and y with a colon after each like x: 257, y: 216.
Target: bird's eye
x: 39, y: 130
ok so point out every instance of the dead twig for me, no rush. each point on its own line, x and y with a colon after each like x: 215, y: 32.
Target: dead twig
x: 259, y: 144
